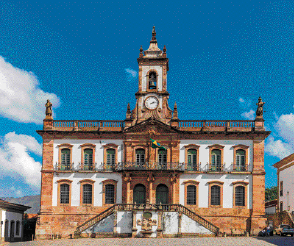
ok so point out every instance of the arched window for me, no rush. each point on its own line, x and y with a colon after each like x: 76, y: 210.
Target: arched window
x: 65, y: 159
x: 64, y: 194
x: 240, y: 196
x: 139, y: 194
x: 162, y: 194
x: 87, y: 194
x: 216, y: 160
x: 240, y: 160
x: 152, y: 80
x: 215, y: 195
x: 192, y: 160
x: 140, y: 157
x: 88, y: 159
x: 110, y: 156
x: 109, y: 194
x: 191, y: 195
x: 162, y: 159
x: 17, y: 229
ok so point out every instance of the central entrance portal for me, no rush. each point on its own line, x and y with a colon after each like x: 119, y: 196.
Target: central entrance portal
x: 139, y: 194
x: 162, y: 194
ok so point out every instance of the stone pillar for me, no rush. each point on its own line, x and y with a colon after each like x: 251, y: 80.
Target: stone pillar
x: 115, y: 223
x: 258, y: 220
x: 159, y: 225
x: 150, y: 180
x: 179, y: 225
x: 134, y: 229
x: 48, y: 124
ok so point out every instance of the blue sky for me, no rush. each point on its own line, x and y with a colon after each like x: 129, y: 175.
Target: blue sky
x: 83, y: 57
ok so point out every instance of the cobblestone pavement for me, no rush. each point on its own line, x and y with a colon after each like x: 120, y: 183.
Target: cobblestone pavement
x: 220, y: 241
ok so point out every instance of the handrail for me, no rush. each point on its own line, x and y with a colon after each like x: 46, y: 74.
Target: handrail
x: 95, y: 219
x: 191, y: 214
x: 162, y: 207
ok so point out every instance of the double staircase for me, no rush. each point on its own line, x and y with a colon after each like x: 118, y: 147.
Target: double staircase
x: 147, y: 207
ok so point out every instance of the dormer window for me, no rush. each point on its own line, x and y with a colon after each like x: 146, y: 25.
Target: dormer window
x: 152, y: 81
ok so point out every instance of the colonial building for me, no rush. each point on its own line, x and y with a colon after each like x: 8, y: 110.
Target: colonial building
x: 152, y: 174
x: 11, y: 218
x: 285, y: 173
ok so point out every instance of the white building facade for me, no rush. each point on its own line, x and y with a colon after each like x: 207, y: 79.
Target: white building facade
x: 285, y: 173
x: 184, y: 172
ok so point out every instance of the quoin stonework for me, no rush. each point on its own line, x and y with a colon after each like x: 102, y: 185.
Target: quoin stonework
x: 152, y: 174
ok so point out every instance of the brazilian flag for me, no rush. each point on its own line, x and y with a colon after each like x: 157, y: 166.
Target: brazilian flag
x: 156, y: 145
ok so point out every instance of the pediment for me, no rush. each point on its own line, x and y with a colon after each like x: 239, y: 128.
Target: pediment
x: 151, y: 126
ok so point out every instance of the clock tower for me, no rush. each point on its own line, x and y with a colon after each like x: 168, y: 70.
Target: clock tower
x: 152, y: 96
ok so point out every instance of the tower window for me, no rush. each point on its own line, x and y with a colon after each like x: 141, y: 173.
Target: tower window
x: 152, y: 80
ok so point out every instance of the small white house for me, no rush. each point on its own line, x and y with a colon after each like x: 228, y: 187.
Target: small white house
x: 285, y: 173
x: 11, y: 217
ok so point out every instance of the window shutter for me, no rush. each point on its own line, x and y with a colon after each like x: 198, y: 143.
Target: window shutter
x: 240, y: 196
x: 191, y: 195
x: 215, y: 195
x: 110, y: 156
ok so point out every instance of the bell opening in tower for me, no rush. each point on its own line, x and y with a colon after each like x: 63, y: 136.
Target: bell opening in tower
x: 152, y: 81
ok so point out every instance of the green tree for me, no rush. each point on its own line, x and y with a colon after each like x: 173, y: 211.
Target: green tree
x: 271, y: 193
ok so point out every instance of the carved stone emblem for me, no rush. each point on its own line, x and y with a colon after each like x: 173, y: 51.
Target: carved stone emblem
x: 146, y: 224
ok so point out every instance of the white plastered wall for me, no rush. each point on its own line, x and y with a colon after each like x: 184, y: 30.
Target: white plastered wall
x: 6, y: 215
x: 286, y: 176
x: 145, y: 70
x: 75, y: 186
x: 77, y: 151
x: 203, y: 186
x: 228, y: 153
x: 228, y: 150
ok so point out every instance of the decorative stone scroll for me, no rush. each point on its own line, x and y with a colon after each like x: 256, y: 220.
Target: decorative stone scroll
x: 146, y: 224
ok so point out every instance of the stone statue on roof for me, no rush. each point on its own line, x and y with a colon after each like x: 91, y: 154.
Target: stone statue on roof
x: 48, y: 106
x: 259, y: 111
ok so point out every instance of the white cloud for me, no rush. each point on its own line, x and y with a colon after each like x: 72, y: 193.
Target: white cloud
x: 278, y: 148
x: 131, y: 74
x: 28, y: 141
x: 285, y: 127
x: 284, y: 130
x: 250, y: 115
x: 241, y: 100
x: 244, y: 103
x: 16, y: 161
x: 21, y: 98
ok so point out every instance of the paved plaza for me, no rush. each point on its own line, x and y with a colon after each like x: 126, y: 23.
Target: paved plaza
x: 235, y: 241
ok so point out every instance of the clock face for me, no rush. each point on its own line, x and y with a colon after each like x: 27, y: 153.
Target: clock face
x: 151, y: 103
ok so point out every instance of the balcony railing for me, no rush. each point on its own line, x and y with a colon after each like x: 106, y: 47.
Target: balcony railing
x: 87, y: 124
x: 152, y: 166
x: 133, y: 166
x: 64, y: 167
x: 239, y: 168
x: 215, y: 167
x: 216, y: 123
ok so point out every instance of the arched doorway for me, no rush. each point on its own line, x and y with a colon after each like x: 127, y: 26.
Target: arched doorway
x: 6, y: 230
x: 162, y: 194
x: 12, y: 231
x: 139, y: 194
